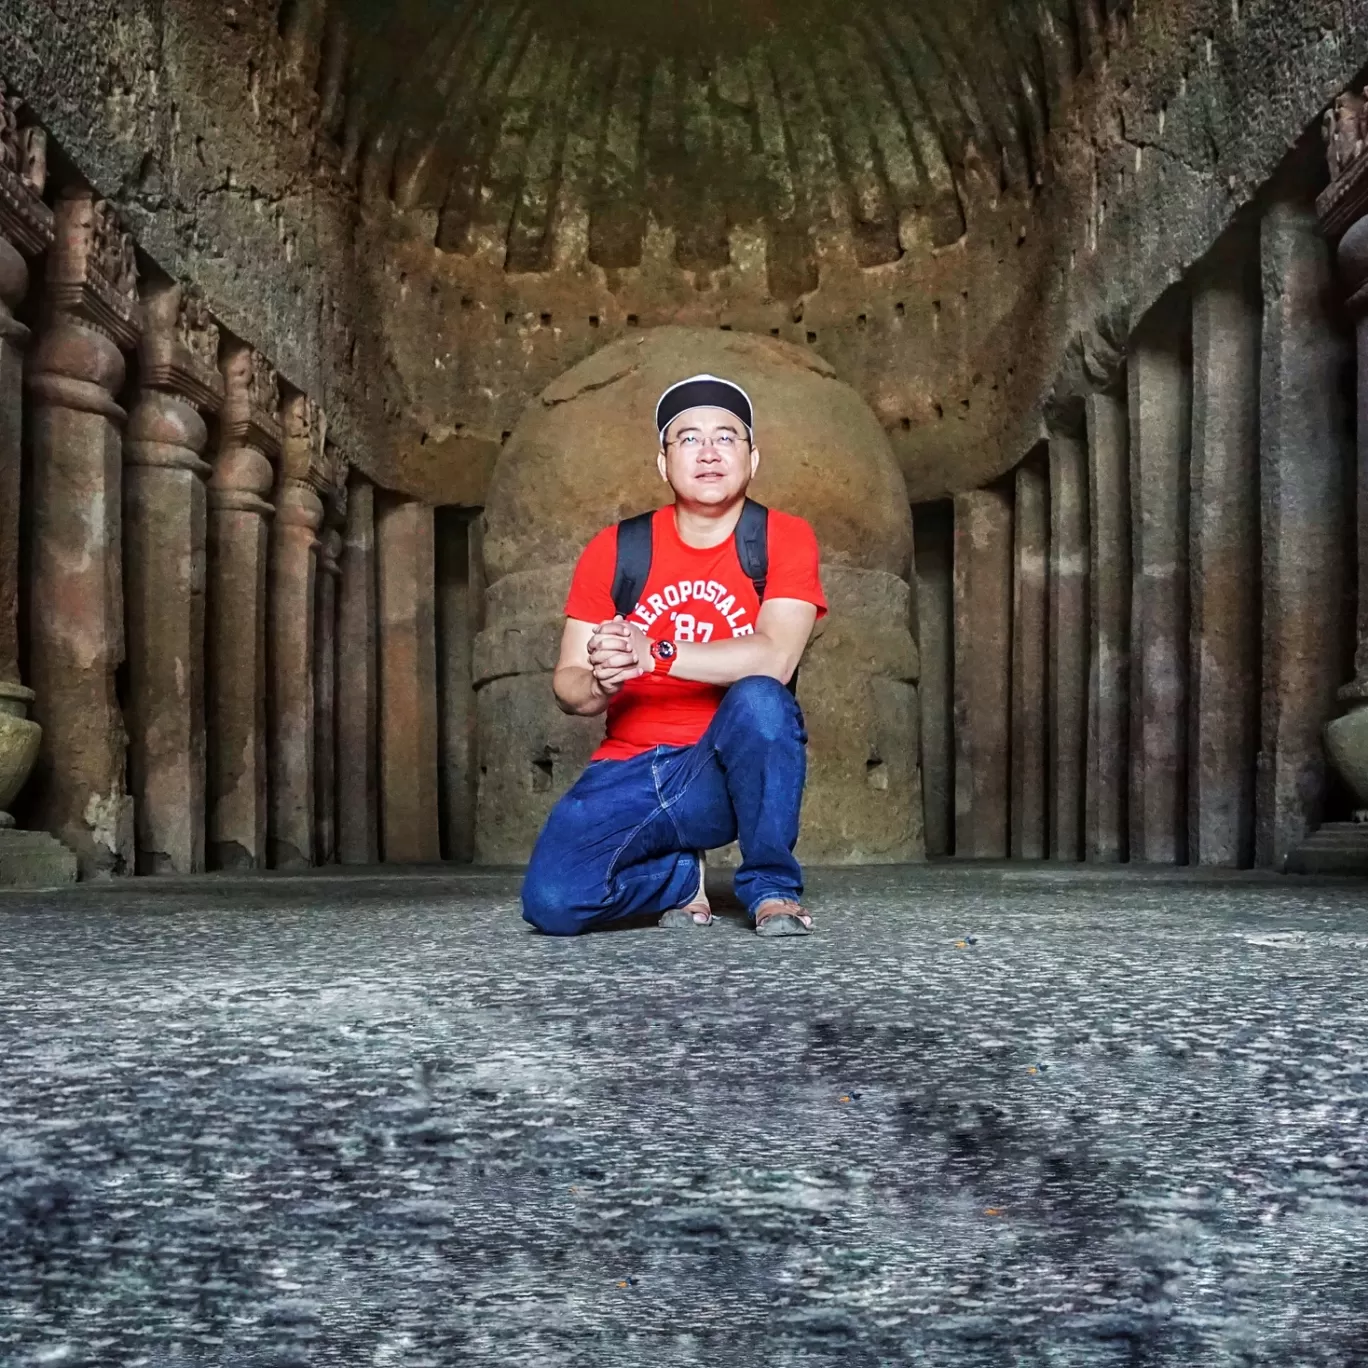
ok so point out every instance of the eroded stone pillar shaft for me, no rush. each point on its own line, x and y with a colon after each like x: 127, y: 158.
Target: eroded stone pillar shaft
x: 983, y: 672
x: 325, y: 658
x: 358, y: 803
x: 1109, y: 556
x: 1227, y: 319
x: 290, y: 618
x: 1068, y: 642
x: 933, y: 526
x: 25, y: 229
x: 1303, y: 466
x: 408, y: 683
x: 164, y: 567
x: 460, y: 598
x: 90, y: 316
x: 1031, y: 524
x: 1160, y: 426
x: 235, y: 646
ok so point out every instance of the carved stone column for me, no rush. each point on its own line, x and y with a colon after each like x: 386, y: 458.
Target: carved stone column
x: 235, y: 610
x: 325, y: 658
x: 293, y: 590
x: 983, y: 673
x: 358, y: 794
x: 1030, y: 651
x: 1304, y: 457
x: 28, y: 858
x: 164, y: 555
x: 91, y: 316
x: 1109, y: 578
x: 1343, y: 210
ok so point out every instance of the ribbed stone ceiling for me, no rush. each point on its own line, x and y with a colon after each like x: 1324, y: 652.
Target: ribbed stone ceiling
x: 881, y: 119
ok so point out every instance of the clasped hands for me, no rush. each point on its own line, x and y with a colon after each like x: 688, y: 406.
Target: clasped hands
x: 618, y: 651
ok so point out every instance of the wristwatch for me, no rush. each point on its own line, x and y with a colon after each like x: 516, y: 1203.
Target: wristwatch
x: 664, y: 653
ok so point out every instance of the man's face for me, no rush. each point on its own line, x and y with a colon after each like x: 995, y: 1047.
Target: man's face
x: 707, y: 457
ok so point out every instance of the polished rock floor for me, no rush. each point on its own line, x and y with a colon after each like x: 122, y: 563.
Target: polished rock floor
x: 986, y: 1116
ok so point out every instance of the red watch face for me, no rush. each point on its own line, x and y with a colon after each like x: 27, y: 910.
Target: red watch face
x: 663, y: 650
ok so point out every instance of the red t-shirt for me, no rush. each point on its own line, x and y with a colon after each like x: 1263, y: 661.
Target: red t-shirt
x: 691, y: 594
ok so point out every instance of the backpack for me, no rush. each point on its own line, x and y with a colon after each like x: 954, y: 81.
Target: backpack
x: 634, y: 557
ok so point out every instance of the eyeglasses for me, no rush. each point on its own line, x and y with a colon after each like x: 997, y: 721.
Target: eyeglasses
x: 692, y: 441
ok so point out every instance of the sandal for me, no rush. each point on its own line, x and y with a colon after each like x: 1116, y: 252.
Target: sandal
x: 698, y: 912
x: 784, y: 917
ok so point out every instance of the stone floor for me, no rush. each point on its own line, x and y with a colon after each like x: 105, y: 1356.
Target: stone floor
x: 988, y: 1116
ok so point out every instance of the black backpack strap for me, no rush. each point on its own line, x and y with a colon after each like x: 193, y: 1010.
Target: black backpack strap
x: 633, y: 561
x: 752, y: 550
x: 752, y: 545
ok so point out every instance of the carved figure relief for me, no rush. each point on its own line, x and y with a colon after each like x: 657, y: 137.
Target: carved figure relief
x: 196, y: 329
x: 24, y: 218
x: 306, y: 433
x: 1344, y: 132
x: 263, y: 384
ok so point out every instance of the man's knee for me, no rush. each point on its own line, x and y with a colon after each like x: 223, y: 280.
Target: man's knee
x: 547, y: 905
x: 763, y: 707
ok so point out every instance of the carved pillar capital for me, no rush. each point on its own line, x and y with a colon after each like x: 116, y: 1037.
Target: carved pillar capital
x: 179, y: 348
x: 91, y: 310
x: 249, y: 432
x: 303, y: 450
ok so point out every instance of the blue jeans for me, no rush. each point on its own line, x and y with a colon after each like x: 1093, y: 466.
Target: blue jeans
x: 625, y: 839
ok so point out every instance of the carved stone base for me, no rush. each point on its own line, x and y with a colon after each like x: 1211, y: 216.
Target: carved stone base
x: 1337, y: 848
x: 34, y: 860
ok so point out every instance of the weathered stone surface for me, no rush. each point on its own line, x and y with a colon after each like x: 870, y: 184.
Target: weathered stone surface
x: 983, y: 673
x: 406, y: 586
x: 236, y: 597
x: 1109, y: 577
x: 1304, y: 458
x: 1069, y: 636
x: 934, y: 525
x: 1160, y: 408
x: 460, y: 608
x: 34, y: 860
x: 1030, y: 650
x: 358, y: 803
x: 76, y: 607
x: 1226, y: 330
x: 543, y: 509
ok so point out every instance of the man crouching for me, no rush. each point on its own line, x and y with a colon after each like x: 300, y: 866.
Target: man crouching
x: 685, y: 626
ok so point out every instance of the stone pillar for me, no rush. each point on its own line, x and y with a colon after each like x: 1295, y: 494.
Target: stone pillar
x: 1068, y: 642
x: 409, y: 830
x: 1303, y: 463
x: 235, y: 612
x: 28, y: 858
x: 1343, y: 210
x: 290, y: 619
x: 91, y: 316
x: 934, y: 538
x: 325, y: 658
x: 164, y: 570
x: 358, y: 804
x: 1160, y: 429
x: 1109, y: 562
x: 1031, y: 523
x: 1227, y: 323
x: 460, y: 598
x: 983, y: 673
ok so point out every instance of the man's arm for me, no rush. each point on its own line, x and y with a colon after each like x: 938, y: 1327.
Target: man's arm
x: 584, y: 686
x: 774, y: 649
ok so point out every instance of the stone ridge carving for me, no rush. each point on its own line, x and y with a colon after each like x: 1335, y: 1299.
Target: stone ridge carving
x: 306, y: 430
x: 24, y: 219
x: 92, y: 271
x: 336, y: 470
x: 179, y: 350
x: 1345, y: 127
x: 251, y: 402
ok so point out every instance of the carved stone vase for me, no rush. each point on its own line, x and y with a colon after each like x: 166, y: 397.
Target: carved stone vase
x: 19, y: 740
x: 1346, y: 742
